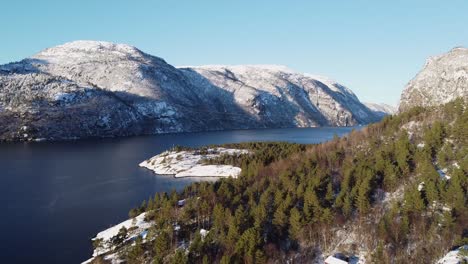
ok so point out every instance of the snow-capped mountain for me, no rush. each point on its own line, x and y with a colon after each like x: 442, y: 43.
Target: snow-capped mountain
x: 381, y: 109
x: 443, y: 78
x: 99, y: 89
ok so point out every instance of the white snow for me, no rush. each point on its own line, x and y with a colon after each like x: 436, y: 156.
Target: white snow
x: 88, y: 46
x: 189, y: 163
x: 453, y: 257
x: 333, y: 260
x: 181, y: 202
x: 439, y: 82
x: 203, y: 232
x: 381, y: 107
x: 138, y: 223
x: 443, y: 174
x: 421, y: 186
x: 254, y: 86
x: 64, y: 97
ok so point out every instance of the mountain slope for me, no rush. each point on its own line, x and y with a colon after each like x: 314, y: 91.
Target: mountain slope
x: 277, y: 95
x: 392, y: 192
x: 99, y: 89
x: 381, y: 109
x: 443, y: 78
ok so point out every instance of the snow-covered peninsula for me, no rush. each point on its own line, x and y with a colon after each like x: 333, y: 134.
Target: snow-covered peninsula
x: 134, y: 227
x: 190, y: 163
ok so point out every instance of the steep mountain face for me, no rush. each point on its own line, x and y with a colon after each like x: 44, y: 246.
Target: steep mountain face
x: 381, y: 109
x: 444, y: 78
x: 99, y: 89
x: 275, y: 95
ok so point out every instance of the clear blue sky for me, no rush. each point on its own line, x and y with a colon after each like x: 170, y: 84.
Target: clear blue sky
x: 373, y: 47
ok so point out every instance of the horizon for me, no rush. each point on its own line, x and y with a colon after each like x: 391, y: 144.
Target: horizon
x: 374, y: 49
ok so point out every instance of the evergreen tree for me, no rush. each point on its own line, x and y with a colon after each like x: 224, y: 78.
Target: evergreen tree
x: 179, y: 257
x: 329, y: 196
x: 162, y: 244
x: 295, y: 225
x: 362, y: 202
x: 135, y: 254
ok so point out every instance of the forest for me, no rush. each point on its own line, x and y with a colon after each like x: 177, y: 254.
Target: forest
x: 392, y: 192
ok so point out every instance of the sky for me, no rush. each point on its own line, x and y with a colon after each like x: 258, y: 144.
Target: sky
x: 372, y: 47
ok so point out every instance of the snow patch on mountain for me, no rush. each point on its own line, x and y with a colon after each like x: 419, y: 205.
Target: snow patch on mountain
x: 88, y: 89
x: 381, y: 108
x: 443, y: 79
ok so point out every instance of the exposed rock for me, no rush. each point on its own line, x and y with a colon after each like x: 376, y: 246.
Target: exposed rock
x: 98, y: 89
x: 443, y: 79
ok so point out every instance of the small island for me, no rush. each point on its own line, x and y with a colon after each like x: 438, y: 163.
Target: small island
x: 194, y: 163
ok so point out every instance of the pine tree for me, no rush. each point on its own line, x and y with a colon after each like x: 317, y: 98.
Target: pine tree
x: 218, y: 218
x: 232, y: 236
x: 295, y: 225
x: 347, y: 205
x: 120, y: 237
x: 135, y: 254
x: 413, y: 201
x: 329, y: 196
x: 280, y: 218
x: 179, y: 257
x: 403, y: 154
x: 456, y: 195
x: 248, y: 244
x: 260, y: 257
x: 162, y: 244
x: 362, y: 202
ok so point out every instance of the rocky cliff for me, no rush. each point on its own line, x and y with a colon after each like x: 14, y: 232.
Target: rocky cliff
x: 88, y: 89
x: 443, y: 78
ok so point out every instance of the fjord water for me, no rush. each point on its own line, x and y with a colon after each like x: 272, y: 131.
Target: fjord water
x: 55, y: 196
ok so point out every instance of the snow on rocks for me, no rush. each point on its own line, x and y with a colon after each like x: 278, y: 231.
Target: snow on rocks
x: 443, y: 174
x: 146, y: 95
x: 421, y: 186
x: 203, y: 232
x: 454, y: 256
x: 64, y: 97
x: 335, y: 260
x: 111, y: 258
x: 190, y: 163
x: 135, y: 226
x: 442, y: 80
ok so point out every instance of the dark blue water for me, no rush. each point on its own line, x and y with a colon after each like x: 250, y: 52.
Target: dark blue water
x: 56, y: 196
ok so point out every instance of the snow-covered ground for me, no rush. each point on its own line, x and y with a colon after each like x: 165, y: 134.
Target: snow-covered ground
x: 135, y: 227
x: 454, y: 257
x: 189, y: 163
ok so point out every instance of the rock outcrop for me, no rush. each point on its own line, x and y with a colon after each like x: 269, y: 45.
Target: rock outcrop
x: 443, y: 79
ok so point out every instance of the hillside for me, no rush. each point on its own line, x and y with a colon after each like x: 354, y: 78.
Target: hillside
x: 393, y: 192
x: 443, y: 78
x: 88, y: 89
x: 381, y: 109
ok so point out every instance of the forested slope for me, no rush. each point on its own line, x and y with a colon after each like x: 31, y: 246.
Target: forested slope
x: 393, y: 192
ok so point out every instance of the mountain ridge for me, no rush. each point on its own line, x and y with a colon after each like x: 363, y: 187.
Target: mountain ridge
x: 85, y: 89
x: 443, y: 78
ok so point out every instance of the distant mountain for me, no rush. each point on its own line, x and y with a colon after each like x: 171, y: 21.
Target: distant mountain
x: 443, y: 78
x: 98, y: 89
x: 278, y: 96
x: 381, y: 109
